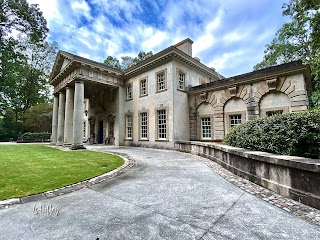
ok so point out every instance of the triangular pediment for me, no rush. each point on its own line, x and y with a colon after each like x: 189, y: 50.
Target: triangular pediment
x: 62, y: 60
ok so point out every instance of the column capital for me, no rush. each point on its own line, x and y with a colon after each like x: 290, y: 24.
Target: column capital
x: 79, y: 81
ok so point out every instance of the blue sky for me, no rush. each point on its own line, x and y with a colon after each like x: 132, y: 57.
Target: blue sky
x: 229, y: 35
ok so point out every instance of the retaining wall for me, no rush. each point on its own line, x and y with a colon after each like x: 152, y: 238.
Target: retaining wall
x: 294, y: 177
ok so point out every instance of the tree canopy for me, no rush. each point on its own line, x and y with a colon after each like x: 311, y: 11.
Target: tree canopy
x: 26, y: 59
x: 38, y: 118
x: 298, y: 39
x: 127, y: 61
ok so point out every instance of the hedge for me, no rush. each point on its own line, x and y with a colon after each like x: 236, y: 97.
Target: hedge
x: 36, y: 136
x: 296, y: 134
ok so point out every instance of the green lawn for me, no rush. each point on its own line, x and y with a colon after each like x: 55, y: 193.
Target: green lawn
x: 30, y: 169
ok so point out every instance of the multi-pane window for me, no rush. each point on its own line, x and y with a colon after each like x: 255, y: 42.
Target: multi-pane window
x: 129, y: 92
x: 144, y: 125
x: 181, y: 80
x: 235, y: 120
x: 206, y: 127
x: 162, y: 124
x: 143, y: 87
x: 271, y: 113
x: 161, y: 79
x: 129, y: 126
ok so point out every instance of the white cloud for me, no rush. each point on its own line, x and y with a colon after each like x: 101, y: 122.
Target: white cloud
x: 207, y: 39
x: 48, y: 8
x: 85, y: 55
x: 157, y: 38
x: 223, y: 31
x: 221, y: 62
x: 83, y: 5
x: 82, y: 8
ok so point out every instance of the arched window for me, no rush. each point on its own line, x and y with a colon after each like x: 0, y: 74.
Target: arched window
x: 235, y: 113
x: 274, y: 103
x: 205, y: 121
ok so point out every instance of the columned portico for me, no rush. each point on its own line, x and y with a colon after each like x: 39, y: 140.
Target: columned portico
x: 78, y: 116
x: 68, y: 123
x: 55, y: 119
x: 75, y: 79
x: 61, y: 111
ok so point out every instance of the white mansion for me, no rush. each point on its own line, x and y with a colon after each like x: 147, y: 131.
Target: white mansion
x: 169, y: 96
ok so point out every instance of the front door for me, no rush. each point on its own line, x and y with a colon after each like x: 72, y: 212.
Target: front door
x: 100, y: 136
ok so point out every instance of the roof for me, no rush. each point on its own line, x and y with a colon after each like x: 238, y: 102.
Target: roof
x: 156, y: 59
x: 258, y: 74
x: 74, y: 60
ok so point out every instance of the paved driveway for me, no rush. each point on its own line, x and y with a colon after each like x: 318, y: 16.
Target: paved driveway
x: 167, y: 195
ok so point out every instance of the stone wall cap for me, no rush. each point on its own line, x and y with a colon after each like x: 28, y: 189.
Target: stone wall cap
x: 308, y: 164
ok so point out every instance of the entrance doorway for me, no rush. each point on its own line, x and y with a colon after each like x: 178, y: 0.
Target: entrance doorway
x: 100, y: 133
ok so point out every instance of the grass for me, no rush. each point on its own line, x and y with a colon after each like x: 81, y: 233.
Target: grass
x: 30, y: 169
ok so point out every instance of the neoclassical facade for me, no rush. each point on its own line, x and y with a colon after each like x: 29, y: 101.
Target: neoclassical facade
x: 169, y: 96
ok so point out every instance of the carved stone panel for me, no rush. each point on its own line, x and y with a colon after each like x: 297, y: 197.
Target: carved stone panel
x: 272, y: 83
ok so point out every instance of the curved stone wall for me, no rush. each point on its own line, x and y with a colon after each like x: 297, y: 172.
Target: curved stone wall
x: 294, y: 177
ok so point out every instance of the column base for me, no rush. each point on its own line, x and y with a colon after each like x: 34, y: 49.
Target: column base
x: 67, y: 145
x: 53, y: 143
x: 77, y: 147
x: 59, y: 144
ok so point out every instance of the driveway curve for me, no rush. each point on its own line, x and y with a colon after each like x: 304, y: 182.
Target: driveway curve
x: 166, y: 195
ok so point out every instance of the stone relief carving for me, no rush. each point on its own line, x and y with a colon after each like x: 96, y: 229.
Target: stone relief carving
x: 233, y: 91
x: 203, y: 96
x: 272, y: 83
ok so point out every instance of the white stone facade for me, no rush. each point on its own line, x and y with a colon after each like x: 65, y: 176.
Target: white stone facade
x: 165, y: 98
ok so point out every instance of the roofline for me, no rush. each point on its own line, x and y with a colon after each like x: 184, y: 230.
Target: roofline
x: 87, y: 60
x: 76, y: 60
x: 286, y: 68
x: 171, y: 52
x: 167, y: 54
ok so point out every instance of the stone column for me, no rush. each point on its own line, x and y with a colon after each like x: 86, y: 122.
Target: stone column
x: 55, y: 119
x: 60, y: 134
x: 68, y: 122
x: 78, y: 116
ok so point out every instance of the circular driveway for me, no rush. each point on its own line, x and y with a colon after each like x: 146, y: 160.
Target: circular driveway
x: 166, y: 195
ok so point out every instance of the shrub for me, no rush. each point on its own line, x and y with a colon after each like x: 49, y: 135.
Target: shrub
x: 36, y: 136
x: 295, y: 134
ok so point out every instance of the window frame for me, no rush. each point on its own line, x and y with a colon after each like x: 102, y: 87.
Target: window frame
x: 146, y: 87
x: 164, y: 72
x: 157, y: 110
x: 263, y: 111
x: 236, y: 119
x: 179, y: 71
x: 126, y: 129
x: 202, y: 129
x: 199, y: 127
x: 227, y: 119
x: 128, y: 98
x: 140, y: 125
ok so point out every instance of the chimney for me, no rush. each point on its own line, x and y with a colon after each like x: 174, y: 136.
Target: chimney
x: 185, y: 46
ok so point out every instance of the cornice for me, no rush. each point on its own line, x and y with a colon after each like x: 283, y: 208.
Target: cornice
x: 77, y: 61
x: 168, y: 54
x: 253, y: 77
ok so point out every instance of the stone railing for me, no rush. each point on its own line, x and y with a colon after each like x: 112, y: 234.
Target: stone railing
x: 294, y: 177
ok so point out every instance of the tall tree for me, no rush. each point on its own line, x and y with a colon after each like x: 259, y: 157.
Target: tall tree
x: 25, y: 61
x: 17, y: 17
x: 29, y: 84
x: 38, y: 118
x: 298, y: 39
